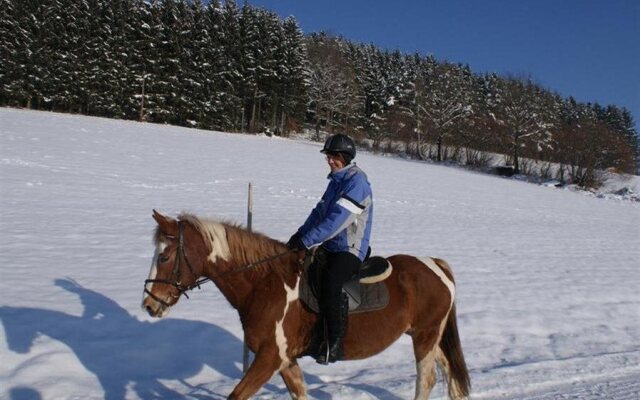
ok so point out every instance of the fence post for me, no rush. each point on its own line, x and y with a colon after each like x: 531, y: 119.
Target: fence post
x: 245, y: 352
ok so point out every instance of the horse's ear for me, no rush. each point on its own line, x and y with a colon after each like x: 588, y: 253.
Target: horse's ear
x: 167, y: 225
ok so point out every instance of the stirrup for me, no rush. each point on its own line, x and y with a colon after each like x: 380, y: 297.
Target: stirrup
x: 331, y: 353
x: 323, y: 354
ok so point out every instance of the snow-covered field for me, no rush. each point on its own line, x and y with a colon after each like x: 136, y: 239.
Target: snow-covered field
x: 548, y: 279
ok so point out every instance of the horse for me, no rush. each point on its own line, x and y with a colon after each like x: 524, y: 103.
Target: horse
x: 260, y: 277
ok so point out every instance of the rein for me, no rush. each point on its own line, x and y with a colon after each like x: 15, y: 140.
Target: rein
x: 243, y: 268
x: 180, y: 253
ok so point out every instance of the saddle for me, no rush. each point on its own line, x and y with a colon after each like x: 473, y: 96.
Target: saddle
x: 366, y: 291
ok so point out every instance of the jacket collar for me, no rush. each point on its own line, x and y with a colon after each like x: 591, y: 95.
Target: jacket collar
x: 341, y: 173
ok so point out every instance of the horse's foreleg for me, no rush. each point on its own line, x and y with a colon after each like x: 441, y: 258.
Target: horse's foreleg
x: 265, y: 364
x: 294, y: 379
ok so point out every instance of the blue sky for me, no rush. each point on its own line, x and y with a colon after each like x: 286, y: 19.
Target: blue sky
x: 588, y: 49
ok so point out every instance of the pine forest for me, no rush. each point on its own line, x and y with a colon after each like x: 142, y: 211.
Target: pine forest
x: 238, y: 68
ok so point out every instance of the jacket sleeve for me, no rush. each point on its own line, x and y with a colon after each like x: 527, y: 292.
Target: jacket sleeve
x: 315, y: 216
x: 341, y: 214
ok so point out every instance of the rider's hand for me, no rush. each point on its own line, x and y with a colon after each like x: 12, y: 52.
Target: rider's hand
x: 295, y: 242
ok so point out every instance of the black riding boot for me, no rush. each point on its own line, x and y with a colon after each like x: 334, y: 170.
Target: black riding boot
x: 334, y: 303
x: 333, y: 350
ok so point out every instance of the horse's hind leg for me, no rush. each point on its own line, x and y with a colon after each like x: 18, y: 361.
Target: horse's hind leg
x: 425, y: 349
x: 294, y: 379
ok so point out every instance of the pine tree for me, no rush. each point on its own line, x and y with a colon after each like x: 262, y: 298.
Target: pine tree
x: 233, y: 77
x: 217, y: 87
x: 371, y: 76
x: 186, y: 80
x: 129, y: 48
x: 34, y: 57
x: 115, y: 68
x: 292, y: 74
x: 80, y: 86
x: 258, y: 29
x: 270, y: 69
x: 195, y: 81
x: 161, y: 62
x: 142, y: 56
x: 15, y: 42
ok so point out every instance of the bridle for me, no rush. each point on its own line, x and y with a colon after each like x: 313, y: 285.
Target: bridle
x: 180, y: 253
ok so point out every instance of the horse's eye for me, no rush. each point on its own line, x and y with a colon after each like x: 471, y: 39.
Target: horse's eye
x: 162, y: 259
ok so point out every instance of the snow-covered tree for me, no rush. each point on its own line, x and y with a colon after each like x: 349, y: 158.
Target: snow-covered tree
x: 292, y: 77
x: 213, y: 64
x: 233, y: 77
x: 15, y: 44
x: 372, y: 80
x: 524, y: 112
x: 251, y: 56
x: 447, y: 100
x: 621, y: 121
x: 331, y: 87
x: 475, y: 133
x: 211, y: 69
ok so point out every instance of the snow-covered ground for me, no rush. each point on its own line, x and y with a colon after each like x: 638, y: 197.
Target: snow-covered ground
x: 548, y: 298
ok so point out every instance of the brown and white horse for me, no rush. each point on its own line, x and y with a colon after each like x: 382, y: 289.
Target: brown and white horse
x: 278, y: 327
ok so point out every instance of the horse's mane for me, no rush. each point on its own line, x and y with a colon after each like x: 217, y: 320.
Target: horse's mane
x: 243, y: 245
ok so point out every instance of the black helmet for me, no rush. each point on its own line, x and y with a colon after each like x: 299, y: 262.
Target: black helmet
x: 340, y: 143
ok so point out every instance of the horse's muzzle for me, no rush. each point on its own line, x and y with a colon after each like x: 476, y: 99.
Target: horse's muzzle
x: 151, y: 311
x: 154, y: 308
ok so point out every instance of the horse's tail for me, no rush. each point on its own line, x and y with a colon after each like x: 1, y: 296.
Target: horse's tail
x: 451, y: 359
x: 450, y: 356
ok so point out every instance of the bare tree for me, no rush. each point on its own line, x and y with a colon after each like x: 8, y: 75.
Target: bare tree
x: 586, y: 147
x: 412, y: 101
x: 446, y: 101
x: 332, y: 96
x: 526, y: 112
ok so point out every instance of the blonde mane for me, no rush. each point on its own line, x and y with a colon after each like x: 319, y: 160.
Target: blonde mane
x: 234, y: 242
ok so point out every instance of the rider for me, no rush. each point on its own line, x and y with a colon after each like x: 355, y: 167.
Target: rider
x: 341, y: 224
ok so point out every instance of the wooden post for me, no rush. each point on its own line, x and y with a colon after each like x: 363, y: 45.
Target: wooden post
x: 245, y: 352
x: 249, y: 208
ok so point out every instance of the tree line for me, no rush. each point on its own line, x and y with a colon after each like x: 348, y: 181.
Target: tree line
x: 240, y: 68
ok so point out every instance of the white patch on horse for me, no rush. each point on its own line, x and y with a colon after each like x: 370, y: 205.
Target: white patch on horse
x: 154, y: 270
x: 281, y: 339
x: 426, y: 377
x: 438, y: 271
x: 217, y: 235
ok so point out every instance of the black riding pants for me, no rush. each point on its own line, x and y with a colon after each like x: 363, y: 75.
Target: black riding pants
x: 340, y: 267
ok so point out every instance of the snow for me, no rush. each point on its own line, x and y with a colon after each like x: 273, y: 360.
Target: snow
x: 548, y: 304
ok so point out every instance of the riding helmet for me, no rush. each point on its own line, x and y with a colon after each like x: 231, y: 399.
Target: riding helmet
x: 340, y: 143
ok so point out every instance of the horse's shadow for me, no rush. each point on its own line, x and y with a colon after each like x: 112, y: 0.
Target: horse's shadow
x: 127, y: 354
x: 124, y: 352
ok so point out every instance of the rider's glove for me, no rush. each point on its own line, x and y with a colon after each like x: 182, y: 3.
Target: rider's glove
x: 295, y: 242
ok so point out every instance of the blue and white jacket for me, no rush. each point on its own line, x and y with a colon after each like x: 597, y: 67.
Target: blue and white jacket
x: 342, y: 219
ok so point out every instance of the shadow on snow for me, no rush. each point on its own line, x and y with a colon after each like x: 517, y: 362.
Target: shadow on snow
x: 125, y: 353
x: 122, y: 351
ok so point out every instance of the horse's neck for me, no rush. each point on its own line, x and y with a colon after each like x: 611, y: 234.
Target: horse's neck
x: 250, y: 265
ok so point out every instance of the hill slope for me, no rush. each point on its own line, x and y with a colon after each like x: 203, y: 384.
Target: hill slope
x: 547, y: 279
